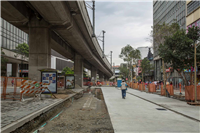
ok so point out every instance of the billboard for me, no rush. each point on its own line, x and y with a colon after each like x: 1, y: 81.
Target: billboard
x: 50, y: 77
x: 69, y: 82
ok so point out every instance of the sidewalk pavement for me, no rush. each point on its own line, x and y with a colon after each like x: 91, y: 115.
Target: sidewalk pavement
x: 170, y: 103
x: 137, y: 115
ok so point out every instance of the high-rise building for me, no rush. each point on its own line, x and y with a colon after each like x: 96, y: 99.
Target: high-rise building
x: 11, y: 36
x: 193, y: 14
x: 168, y: 12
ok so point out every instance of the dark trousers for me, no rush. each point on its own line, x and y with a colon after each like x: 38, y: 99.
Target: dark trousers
x: 123, y: 93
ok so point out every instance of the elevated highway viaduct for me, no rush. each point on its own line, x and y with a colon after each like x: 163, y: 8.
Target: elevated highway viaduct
x: 60, y: 25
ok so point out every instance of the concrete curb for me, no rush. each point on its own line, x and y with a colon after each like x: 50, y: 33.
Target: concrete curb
x: 13, y: 126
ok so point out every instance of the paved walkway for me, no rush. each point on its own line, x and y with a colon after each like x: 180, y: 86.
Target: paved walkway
x: 170, y: 103
x: 135, y: 115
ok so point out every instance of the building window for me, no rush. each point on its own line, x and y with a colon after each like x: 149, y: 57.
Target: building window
x: 4, y: 42
x: 7, y: 43
x: 1, y: 22
x: 1, y: 41
x: 8, y: 26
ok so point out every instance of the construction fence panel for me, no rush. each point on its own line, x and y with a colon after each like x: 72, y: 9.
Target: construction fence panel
x: 11, y: 87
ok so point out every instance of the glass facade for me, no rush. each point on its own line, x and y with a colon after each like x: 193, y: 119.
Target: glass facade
x: 11, y: 36
x: 168, y: 11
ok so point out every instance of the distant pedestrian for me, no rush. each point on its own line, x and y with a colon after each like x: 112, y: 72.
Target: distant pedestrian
x: 12, y: 82
x: 123, y: 88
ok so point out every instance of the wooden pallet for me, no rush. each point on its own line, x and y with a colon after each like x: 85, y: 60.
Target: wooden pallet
x: 194, y: 104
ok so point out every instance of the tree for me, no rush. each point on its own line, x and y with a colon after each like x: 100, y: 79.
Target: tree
x: 124, y: 71
x: 67, y: 71
x: 157, y: 36
x: 178, y: 50
x: 138, y: 78
x: 3, y: 63
x: 23, y: 50
x: 145, y: 67
x: 130, y: 55
x: 84, y: 73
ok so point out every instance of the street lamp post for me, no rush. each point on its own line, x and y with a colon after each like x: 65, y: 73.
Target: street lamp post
x: 195, y: 73
x: 103, y: 41
x: 111, y: 58
x: 93, y: 8
x: 93, y: 11
x: 195, y: 70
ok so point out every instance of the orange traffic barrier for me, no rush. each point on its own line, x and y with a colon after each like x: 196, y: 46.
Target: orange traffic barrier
x: 189, y: 93
x: 162, y: 91
x: 170, y: 89
x: 151, y: 88
x: 180, y: 87
x: 29, y: 87
x: 140, y: 87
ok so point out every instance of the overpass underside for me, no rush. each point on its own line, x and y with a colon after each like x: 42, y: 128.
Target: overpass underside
x: 60, y: 25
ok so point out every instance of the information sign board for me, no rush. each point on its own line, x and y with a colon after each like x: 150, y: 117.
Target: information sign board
x: 69, y: 82
x: 50, y: 77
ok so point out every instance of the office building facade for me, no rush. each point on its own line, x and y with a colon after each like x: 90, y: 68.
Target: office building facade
x: 11, y: 37
x: 193, y: 14
x: 168, y: 12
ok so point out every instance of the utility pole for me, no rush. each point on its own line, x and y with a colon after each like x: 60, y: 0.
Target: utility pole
x: 195, y: 73
x: 131, y: 71
x: 111, y: 58
x: 103, y: 43
x: 164, y: 86
x: 114, y: 68
x: 93, y: 8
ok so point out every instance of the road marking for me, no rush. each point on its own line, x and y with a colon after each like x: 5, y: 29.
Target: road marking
x: 88, y: 102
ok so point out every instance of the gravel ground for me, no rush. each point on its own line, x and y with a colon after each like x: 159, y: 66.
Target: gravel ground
x: 86, y: 115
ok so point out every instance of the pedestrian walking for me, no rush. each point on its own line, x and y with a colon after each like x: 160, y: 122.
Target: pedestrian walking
x: 123, y: 88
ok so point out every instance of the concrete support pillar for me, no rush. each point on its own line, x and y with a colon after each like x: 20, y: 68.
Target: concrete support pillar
x: 101, y: 77
x: 15, y: 68
x: 94, y: 74
x: 105, y: 78
x: 39, y: 48
x: 78, y: 70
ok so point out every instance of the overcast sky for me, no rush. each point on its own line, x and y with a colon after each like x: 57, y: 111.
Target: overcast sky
x: 124, y: 23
